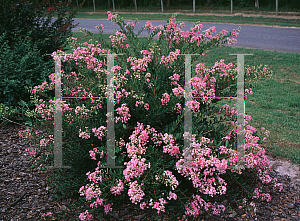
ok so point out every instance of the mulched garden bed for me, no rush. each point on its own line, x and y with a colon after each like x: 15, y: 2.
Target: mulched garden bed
x: 23, y: 194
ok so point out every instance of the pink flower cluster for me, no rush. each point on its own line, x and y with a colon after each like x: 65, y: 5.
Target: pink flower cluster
x: 247, y: 91
x: 219, y: 68
x: 100, y: 28
x: 141, y: 64
x: 165, y: 99
x: 90, y: 191
x: 172, y: 196
x: 168, y: 179
x: 42, y: 87
x: 111, y: 17
x: 129, y: 25
x: 178, y: 91
x: 47, y: 112
x: 178, y: 108
x: 192, y: 37
x: 118, y: 39
x: 206, y: 166
x: 119, y: 94
x: 44, y: 215
x: 33, y: 152
x: 258, y: 194
x: 193, y: 208
x: 159, y: 206
x: 45, y: 141
x: 93, y: 153
x: 99, y: 132
x: 170, y: 148
x: 148, y: 26
x: 86, y: 56
x: 81, y: 110
x: 25, y: 133
x: 123, y: 111
x: 203, y: 87
x: 95, y: 176
x: 170, y: 58
x: 135, y: 192
x: 85, y: 216
x: 277, y: 185
x: 135, y: 168
x: 116, y: 190
x: 174, y: 78
x: 254, y: 155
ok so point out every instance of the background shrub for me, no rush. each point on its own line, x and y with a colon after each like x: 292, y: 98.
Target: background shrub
x: 29, y: 32
x: 21, y: 65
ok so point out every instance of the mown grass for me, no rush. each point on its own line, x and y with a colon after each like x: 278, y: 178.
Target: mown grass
x: 275, y: 103
x: 236, y: 19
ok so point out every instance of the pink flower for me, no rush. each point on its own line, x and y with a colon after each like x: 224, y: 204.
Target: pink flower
x: 85, y: 216
x: 100, y: 132
x: 170, y: 58
x: 84, y: 135
x: 178, y: 92
x: 116, y: 190
x: 165, y: 99
x: 107, y: 208
x: 123, y: 111
x: 135, y: 192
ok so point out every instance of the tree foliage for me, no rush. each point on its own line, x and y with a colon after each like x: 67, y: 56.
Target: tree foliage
x: 28, y: 33
x: 268, y: 4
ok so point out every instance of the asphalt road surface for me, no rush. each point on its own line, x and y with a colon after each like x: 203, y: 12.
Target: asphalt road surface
x: 251, y: 36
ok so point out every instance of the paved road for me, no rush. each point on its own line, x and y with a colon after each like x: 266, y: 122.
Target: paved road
x: 251, y: 36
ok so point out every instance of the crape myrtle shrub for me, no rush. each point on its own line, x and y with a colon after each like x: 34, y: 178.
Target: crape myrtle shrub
x: 149, y: 100
x: 28, y: 34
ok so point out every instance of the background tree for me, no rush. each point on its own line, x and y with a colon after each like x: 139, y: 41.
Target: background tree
x: 28, y: 34
x: 256, y: 4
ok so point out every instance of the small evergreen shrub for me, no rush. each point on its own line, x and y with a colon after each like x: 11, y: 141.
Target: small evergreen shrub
x: 21, y: 67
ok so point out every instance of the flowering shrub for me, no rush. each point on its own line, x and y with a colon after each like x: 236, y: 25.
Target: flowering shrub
x: 149, y: 107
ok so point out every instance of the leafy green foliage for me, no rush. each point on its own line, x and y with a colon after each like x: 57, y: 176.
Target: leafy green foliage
x: 21, y: 66
x: 34, y: 18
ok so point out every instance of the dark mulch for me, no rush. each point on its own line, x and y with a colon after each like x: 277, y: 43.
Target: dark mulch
x: 23, y: 194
